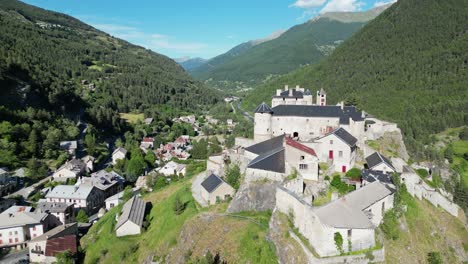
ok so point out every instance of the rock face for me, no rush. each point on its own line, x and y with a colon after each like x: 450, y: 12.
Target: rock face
x: 254, y: 196
x: 287, y: 250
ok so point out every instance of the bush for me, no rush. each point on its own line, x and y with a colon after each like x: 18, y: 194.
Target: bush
x: 423, y: 173
x: 178, y: 206
x: 342, y: 187
x: 390, y: 226
x: 339, y: 242
x: 354, y: 174
x: 82, y: 217
x: 233, y: 176
x: 434, y: 258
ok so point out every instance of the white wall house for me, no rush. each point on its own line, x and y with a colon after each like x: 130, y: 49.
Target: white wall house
x: 355, y: 216
x: 377, y: 162
x: 44, y: 248
x: 17, y: 228
x: 70, y: 170
x: 63, y: 212
x: 337, y: 147
x: 172, y: 168
x: 215, y: 189
x: 85, y: 197
x: 130, y: 220
x: 118, y: 154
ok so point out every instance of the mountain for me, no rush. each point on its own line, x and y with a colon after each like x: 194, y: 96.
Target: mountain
x: 300, y: 45
x: 190, y: 63
x: 409, y: 65
x: 46, y: 57
x: 233, y: 53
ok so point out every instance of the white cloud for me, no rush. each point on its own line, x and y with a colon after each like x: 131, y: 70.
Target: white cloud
x: 342, y: 6
x: 381, y: 3
x: 154, y: 41
x: 307, y: 3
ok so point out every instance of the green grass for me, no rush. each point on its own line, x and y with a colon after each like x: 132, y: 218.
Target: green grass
x: 132, y: 118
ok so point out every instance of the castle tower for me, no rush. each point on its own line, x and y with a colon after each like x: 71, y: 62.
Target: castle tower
x: 321, y: 97
x: 308, y: 100
x: 262, y: 126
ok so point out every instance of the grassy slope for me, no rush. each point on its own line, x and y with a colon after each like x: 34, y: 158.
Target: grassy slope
x: 164, y: 230
x: 430, y: 229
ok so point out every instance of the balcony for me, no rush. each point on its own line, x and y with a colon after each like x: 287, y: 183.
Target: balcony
x: 37, y: 251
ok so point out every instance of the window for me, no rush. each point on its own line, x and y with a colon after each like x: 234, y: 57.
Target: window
x: 16, y: 232
x: 0, y: 234
x: 1, y: 242
x: 303, y: 166
x: 16, y: 239
x: 10, y: 233
x: 331, y: 142
x: 34, y: 235
x: 10, y: 241
x: 34, y: 228
x: 340, y: 154
x: 350, y: 232
x: 302, y: 157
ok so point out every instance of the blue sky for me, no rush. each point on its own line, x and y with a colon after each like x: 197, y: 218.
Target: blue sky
x: 197, y: 28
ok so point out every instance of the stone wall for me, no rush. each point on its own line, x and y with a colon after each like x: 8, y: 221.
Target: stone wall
x: 256, y: 196
x: 254, y: 175
x: 243, y: 142
x: 418, y: 188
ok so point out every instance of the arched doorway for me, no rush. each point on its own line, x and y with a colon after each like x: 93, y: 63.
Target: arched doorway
x: 295, y: 135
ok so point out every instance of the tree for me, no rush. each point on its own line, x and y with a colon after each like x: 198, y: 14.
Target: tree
x: 233, y: 176
x: 448, y: 153
x: 64, y: 257
x: 136, y: 166
x: 36, y: 168
x: 128, y: 193
x: 354, y: 174
x: 90, y: 142
x: 338, y: 242
x: 464, y: 133
x: 82, y: 217
x: 150, y: 158
x: 178, y: 206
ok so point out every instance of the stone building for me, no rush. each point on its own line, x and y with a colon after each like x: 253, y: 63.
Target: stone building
x: 377, y: 162
x: 215, y: 189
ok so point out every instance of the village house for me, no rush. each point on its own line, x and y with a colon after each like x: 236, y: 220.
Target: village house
x: 280, y: 156
x: 109, y: 183
x: 117, y: 199
x: 214, y: 189
x: 85, y: 197
x: 118, y: 154
x: 148, y: 120
x: 45, y: 247
x: 18, y: 209
x: 338, y: 148
x: 89, y: 162
x: 172, y: 168
x: 370, y: 176
x: 6, y: 203
x: 147, y: 144
x: 17, y: 228
x: 63, y: 212
x: 130, y: 221
x: 377, y: 162
x: 69, y: 146
x: 70, y: 170
x: 354, y: 216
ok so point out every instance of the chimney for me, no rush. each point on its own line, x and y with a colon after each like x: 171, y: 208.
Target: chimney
x: 342, y: 105
x: 278, y: 92
x: 286, y: 87
x: 297, y: 87
x: 291, y: 92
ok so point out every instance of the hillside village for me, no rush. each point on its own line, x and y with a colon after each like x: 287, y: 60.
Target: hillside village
x: 312, y: 161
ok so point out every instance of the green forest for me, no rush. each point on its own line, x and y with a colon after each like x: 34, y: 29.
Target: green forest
x: 56, y: 71
x: 409, y: 66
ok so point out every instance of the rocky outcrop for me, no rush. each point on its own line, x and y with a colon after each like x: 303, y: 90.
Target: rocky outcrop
x: 254, y: 196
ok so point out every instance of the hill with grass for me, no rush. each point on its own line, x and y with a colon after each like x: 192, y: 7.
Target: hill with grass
x: 299, y: 46
x: 190, y: 63
x: 408, y: 66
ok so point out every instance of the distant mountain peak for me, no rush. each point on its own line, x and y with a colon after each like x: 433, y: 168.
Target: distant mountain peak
x: 272, y: 36
x: 352, y: 17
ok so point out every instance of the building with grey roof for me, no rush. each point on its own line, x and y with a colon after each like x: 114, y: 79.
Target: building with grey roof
x: 108, y: 182
x: 215, y: 189
x: 85, y: 197
x: 378, y: 162
x: 69, y: 146
x: 63, y: 212
x: 130, y: 221
x: 70, y: 170
x: 44, y: 248
x: 18, y: 227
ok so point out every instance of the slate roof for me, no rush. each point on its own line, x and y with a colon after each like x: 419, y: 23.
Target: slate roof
x: 307, y: 92
x: 348, y: 211
x: 52, y: 207
x: 319, y: 111
x: 270, y: 161
x: 59, y: 231
x: 266, y: 145
x: 376, y: 158
x: 21, y: 219
x: 372, y: 176
x: 75, y: 165
x: 122, y: 150
x: 103, y: 179
x: 263, y: 108
x: 296, y: 94
x: 68, y: 145
x: 211, y: 183
x: 70, y: 192
x: 345, y: 136
x: 133, y: 211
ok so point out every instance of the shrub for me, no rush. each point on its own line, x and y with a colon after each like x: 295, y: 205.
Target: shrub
x: 390, y: 226
x: 423, y: 173
x: 327, y: 178
x: 338, y: 242
x: 354, y: 174
x: 434, y: 258
x: 82, y: 217
x: 178, y: 206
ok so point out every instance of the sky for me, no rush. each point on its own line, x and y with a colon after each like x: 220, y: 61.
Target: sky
x: 197, y: 28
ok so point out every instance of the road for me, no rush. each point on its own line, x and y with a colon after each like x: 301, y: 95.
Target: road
x: 245, y: 114
x: 15, y: 257
x: 25, y: 192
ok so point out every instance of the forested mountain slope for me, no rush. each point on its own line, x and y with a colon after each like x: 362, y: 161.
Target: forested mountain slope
x: 409, y: 65
x: 52, y: 54
x: 300, y: 45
